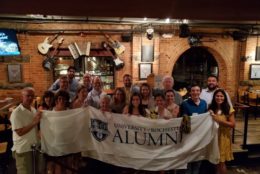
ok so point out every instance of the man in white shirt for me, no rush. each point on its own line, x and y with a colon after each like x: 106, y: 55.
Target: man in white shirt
x: 93, y: 98
x: 212, y: 85
x: 24, y: 120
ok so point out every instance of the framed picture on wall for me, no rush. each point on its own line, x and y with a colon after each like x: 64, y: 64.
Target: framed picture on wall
x: 254, y: 71
x: 257, y: 53
x: 14, y: 72
x: 147, y: 53
x: 145, y: 69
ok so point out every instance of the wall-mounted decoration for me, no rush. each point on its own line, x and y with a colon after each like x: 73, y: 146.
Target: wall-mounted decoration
x: 145, y: 69
x: 9, y: 45
x: 257, y: 53
x: 254, y: 71
x: 147, y: 53
x: 14, y: 73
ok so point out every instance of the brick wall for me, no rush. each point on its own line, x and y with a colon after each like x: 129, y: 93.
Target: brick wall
x: 32, y: 71
x: 167, y: 51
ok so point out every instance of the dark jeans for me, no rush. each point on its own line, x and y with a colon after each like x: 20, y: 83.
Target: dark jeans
x: 207, y: 167
x: 97, y: 167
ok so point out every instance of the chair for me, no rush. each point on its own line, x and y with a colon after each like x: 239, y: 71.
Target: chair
x: 242, y: 96
x: 253, y: 102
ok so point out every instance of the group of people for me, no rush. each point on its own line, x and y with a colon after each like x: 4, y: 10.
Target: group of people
x: 133, y: 100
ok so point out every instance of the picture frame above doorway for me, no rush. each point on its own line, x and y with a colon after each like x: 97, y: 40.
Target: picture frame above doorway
x: 145, y: 69
x: 254, y: 72
x: 147, y: 53
x: 14, y: 72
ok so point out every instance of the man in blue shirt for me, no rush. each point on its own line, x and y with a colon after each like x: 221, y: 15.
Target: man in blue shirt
x: 194, y: 105
x: 73, y: 83
x: 191, y: 107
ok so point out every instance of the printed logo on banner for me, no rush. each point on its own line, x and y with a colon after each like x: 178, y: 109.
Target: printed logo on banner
x: 99, y: 129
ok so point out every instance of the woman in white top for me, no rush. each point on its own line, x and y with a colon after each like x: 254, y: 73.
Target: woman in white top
x: 135, y: 107
x: 170, y: 103
x: 147, y: 98
x: 61, y: 100
x: 104, y: 103
x: 160, y: 112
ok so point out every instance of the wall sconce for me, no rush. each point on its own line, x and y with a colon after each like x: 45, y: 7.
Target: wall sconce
x: 149, y: 32
x: 245, y: 58
x: 194, y: 40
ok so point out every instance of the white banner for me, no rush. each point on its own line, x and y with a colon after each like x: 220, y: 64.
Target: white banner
x: 129, y: 141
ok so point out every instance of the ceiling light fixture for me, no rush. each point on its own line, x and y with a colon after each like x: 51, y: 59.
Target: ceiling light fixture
x: 167, y: 35
x: 149, y: 32
x: 185, y: 21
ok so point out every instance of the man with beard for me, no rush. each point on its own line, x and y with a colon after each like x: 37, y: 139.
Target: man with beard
x: 212, y: 85
x: 129, y: 88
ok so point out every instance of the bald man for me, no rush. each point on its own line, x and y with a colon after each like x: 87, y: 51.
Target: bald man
x: 24, y: 120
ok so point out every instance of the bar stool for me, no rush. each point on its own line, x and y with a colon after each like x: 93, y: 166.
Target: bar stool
x: 253, y: 102
x: 242, y: 96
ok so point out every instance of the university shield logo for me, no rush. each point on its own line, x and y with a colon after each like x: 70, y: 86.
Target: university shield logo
x: 99, y: 129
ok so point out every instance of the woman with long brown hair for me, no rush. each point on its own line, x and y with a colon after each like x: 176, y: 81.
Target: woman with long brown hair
x: 81, y: 95
x: 118, y: 101
x: 223, y: 114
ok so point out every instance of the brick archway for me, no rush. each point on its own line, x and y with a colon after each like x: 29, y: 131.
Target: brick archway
x: 222, y: 66
x: 168, y: 58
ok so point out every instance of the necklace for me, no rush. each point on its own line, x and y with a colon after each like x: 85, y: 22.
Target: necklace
x: 219, y: 112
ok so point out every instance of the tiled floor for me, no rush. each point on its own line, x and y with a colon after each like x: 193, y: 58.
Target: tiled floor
x: 244, y: 169
x: 251, y: 165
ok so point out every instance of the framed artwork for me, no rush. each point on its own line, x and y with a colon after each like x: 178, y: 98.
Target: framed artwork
x: 257, y: 53
x: 147, y: 53
x: 145, y: 69
x: 254, y: 71
x: 14, y: 72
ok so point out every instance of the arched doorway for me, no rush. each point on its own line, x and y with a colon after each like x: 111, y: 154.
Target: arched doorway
x: 193, y: 66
